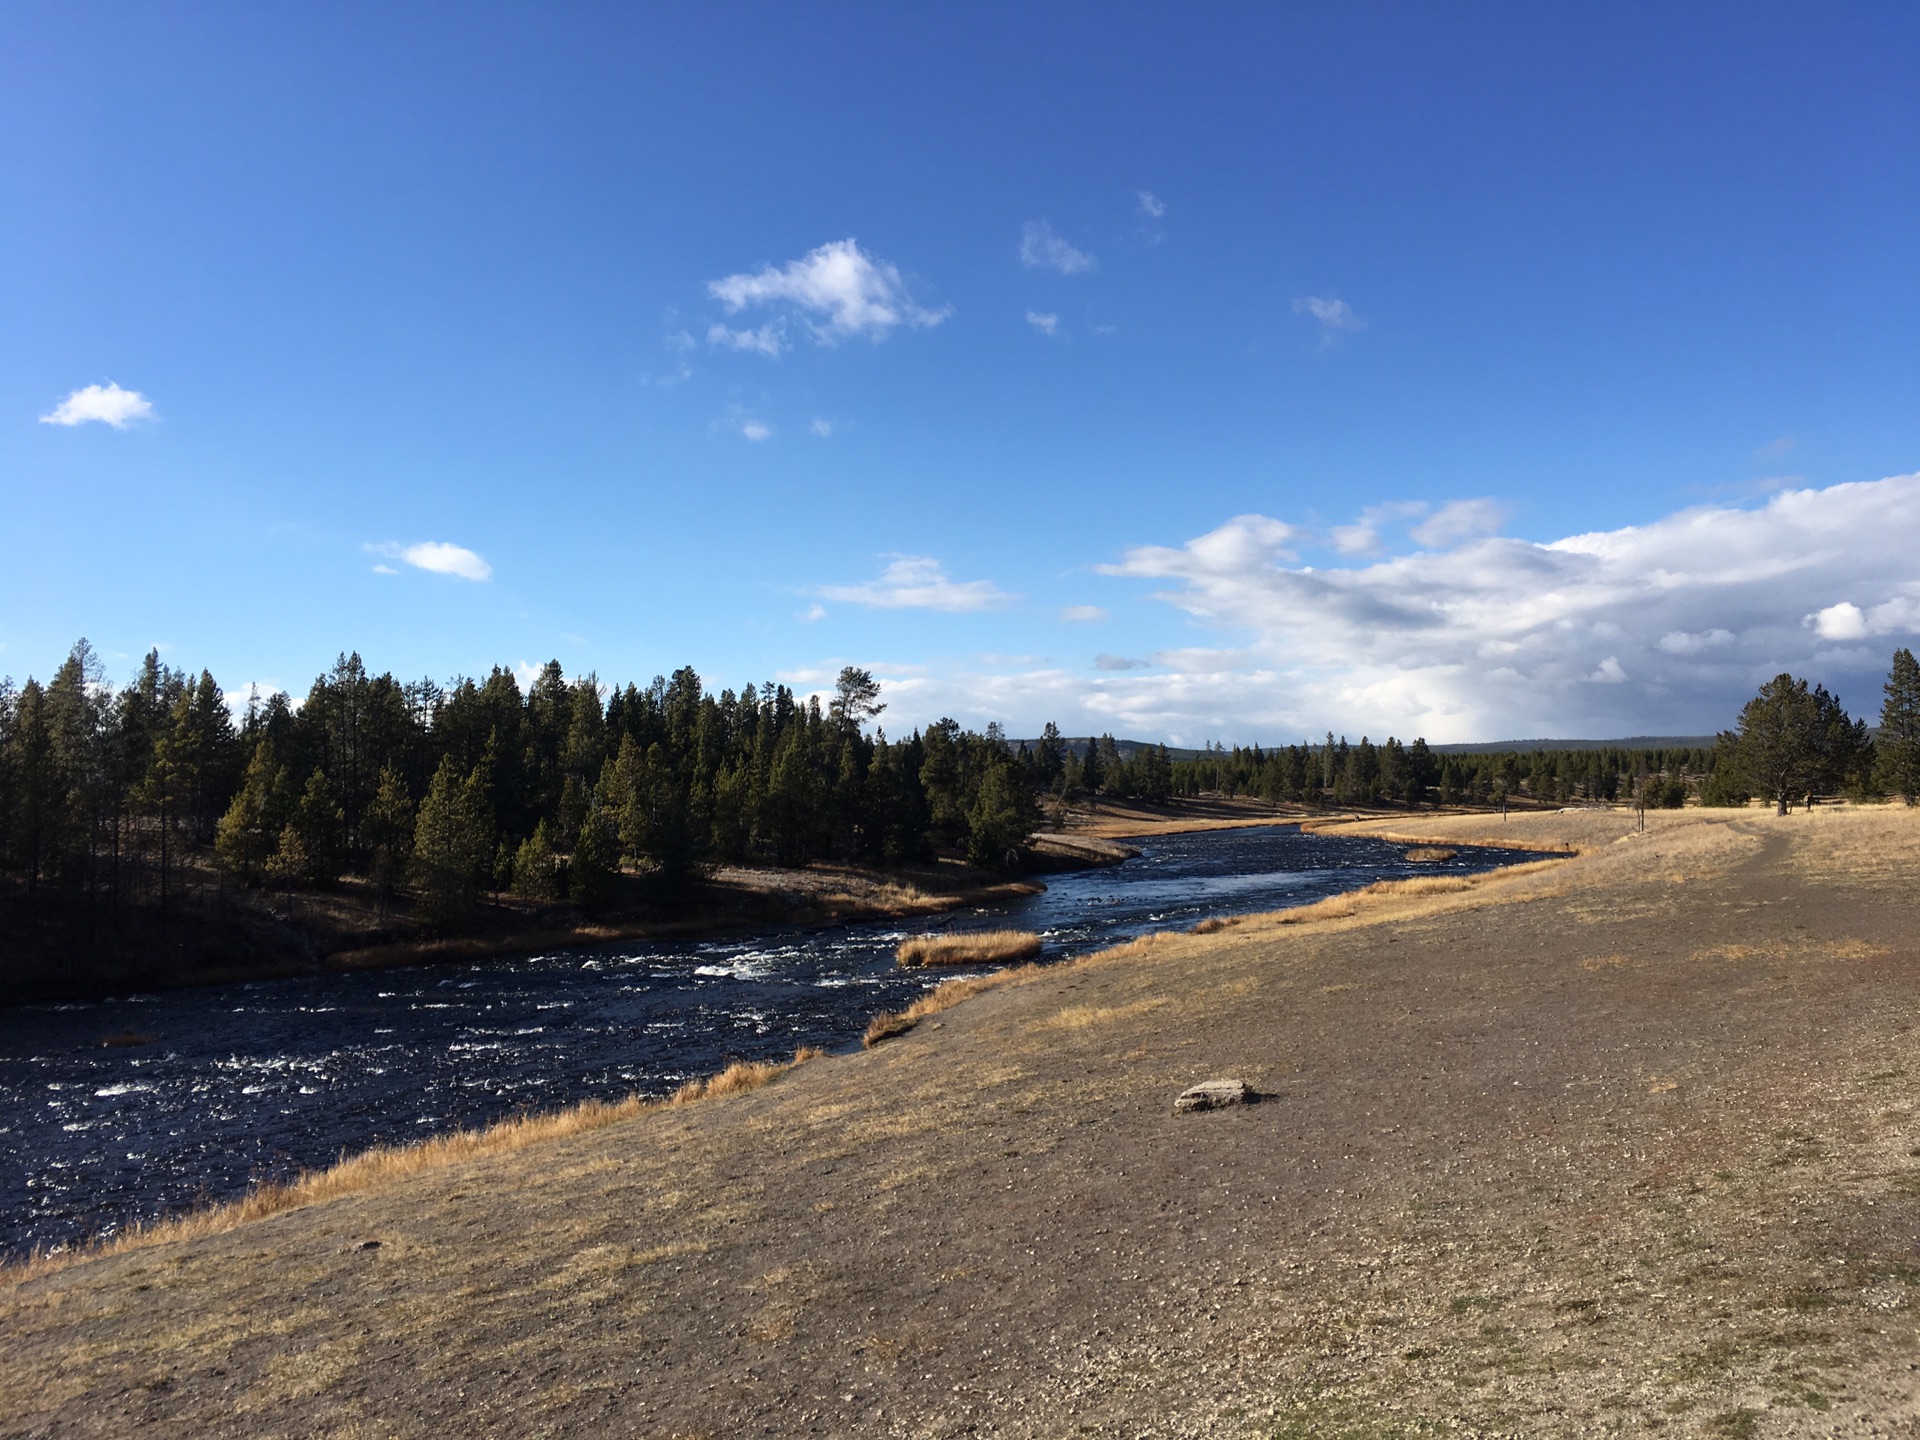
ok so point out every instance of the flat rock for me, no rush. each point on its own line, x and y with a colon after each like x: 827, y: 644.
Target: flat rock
x: 1214, y: 1095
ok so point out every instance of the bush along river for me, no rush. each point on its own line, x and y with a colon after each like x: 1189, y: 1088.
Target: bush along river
x: 132, y: 1108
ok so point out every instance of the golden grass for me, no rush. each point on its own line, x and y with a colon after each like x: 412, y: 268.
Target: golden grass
x: 942, y: 997
x: 970, y: 947
x: 372, y: 1171
x: 1423, y: 854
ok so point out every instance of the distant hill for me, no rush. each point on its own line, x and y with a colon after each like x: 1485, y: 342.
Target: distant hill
x: 1632, y: 742
x: 1480, y: 747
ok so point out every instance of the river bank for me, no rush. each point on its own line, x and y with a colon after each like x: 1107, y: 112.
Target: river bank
x: 1616, y: 1143
x: 218, y: 934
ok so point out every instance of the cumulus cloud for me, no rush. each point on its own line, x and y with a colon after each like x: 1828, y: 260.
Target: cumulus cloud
x: 1045, y: 324
x: 1041, y: 249
x: 836, y: 291
x: 1658, y: 628
x: 108, y: 404
x: 919, y: 582
x: 1083, y: 614
x: 436, y: 556
x: 1334, y: 316
x: 755, y: 430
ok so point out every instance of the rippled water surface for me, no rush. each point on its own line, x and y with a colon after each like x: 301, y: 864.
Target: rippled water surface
x: 256, y: 1081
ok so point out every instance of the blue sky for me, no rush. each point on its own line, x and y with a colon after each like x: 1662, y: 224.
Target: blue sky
x: 1185, y: 372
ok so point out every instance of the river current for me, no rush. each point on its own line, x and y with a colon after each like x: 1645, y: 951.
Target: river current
x: 229, y: 1085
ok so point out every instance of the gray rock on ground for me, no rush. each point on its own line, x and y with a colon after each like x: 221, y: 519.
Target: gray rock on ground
x: 1214, y: 1095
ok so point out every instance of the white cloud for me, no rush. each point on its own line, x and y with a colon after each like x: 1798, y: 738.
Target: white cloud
x: 108, y: 404
x: 813, y: 612
x: 755, y: 430
x: 1847, y: 621
x: 1488, y: 638
x: 1844, y: 621
x: 1680, y: 642
x: 1045, y: 324
x: 837, y: 290
x: 1363, y: 537
x: 1117, y: 662
x: 385, y: 570
x: 918, y: 582
x: 436, y: 556
x: 1083, y: 614
x: 1151, y: 204
x: 1041, y: 249
x: 1459, y: 520
x: 822, y: 428
x: 1334, y: 316
x: 769, y: 340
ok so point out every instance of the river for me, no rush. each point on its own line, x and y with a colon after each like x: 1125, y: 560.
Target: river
x: 223, y: 1086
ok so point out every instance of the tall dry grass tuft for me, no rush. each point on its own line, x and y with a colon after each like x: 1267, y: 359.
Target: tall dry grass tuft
x: 1425, y: 854
x: 942, y: 997
x: 741, y: 1077
x: 379, y: 1169
x: 970, y: 947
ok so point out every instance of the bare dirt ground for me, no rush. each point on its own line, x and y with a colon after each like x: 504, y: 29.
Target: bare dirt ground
x: 1621, y: 1144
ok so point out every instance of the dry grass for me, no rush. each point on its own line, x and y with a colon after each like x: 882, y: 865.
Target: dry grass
x: 972, y: 947
x: 380, y: 1169
x: 943, y: 997
x: 1422, y: 854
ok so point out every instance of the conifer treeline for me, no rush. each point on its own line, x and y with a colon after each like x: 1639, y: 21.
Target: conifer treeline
x: 1340, y: 773
x: 449, y: 791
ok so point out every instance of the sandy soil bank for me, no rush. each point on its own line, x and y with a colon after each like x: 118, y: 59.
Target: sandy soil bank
x: 1622, y: 1144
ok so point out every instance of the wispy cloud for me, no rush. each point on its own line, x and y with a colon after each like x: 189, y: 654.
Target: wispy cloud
x: 768, y: 340
x: 108, y: 404
x: 919, y: 582
x: 1117, y: 662
x: 1365, y: 536
x: 836, y: 291
x: 821, y: 428
x: 1083, y: 614
x: 436, y: 556
x: 1045, y: 324
x: 755, y: 430
x: 1335, y: 317
x: 1041, y: 249
x: 1151, y: 204
x: 1459, y: 520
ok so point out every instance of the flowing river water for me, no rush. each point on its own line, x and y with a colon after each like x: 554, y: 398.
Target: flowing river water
x: 229, y: 1085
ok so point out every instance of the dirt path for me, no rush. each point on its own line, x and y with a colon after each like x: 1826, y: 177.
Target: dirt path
x: 1623, y: 1145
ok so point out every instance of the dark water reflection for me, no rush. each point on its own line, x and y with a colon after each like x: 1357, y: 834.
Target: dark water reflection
x: 258, y: 1081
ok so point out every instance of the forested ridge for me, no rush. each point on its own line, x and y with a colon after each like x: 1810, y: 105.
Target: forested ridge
x: 119, y: 803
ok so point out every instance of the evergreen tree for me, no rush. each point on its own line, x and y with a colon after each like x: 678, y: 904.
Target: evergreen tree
x: 1792, y: 741
x: 535, y: 867
x: 1092, y: 773
x: 590, y: 870
x: 452, y: 842
x: 321, y: 825
x: 388, y: 832
x: 1899, y: 743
